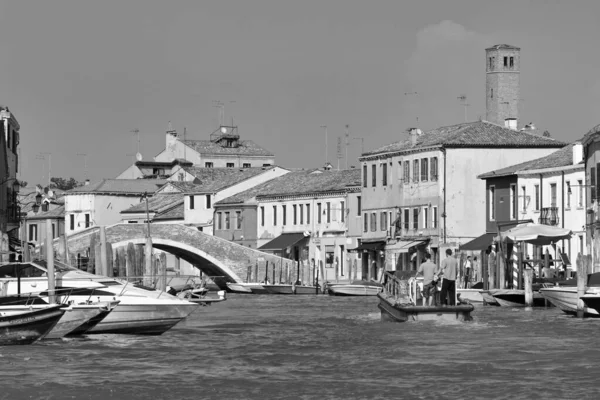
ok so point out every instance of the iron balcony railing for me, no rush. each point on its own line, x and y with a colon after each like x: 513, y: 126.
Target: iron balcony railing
x: 549, y: 216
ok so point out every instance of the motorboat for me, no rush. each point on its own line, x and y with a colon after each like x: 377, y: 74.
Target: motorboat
x: 592, y: 302
x: 354, y: 288
x: 565, y: 298
x: 25, y: 326
x: 516, y: 297
x: 141, y: 309
x: 292, y: 289
x: 236, y: 287
x: 77, y: 319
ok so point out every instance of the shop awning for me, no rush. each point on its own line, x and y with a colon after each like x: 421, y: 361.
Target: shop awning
x: 479, y: 243
x: 282, y: 242
x: 368, y: 246
x: 405, y: 245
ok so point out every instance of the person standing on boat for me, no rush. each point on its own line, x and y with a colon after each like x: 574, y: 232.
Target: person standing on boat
x: 428, y: 269
x: 468, y: 272
x: 448, y: 271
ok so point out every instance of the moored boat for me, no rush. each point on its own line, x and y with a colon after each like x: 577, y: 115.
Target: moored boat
x: 354, y: 288
x: 470, y: 295
x: 292, y: 289
x: 25, y: 326
x: 488, y: 298
x: 565, y: 298
x: 592, y: 301
x: 236, y: 287
x: 516, y: 298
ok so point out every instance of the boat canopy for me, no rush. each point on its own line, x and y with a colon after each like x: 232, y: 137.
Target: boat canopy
x: 537, y: 234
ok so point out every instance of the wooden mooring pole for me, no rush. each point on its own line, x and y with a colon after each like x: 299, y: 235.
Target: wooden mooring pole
x: 581, y: 282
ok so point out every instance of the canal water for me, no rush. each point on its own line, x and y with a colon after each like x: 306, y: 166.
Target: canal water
x: 309, y: 347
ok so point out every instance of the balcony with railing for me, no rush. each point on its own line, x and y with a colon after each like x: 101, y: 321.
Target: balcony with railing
x: 549, y: 216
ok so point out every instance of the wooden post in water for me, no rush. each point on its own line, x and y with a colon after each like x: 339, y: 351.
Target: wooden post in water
x: 122, y: 264
x: 528, y: 278
x: 521, y: 269
x: 256, y: 279
x: 103, y: 267
x: 162, y: 271
x: 50, y: 263
x: 322, y: 277
x: 248, y: 272
x: 91, y: 266
x: 273, y: 281
x: 130, y: 260
x: 280, y: 274
x: 484, y: 270
x: 98, y: 257
x: 581, y: 282
x: 491, y: 270
x: 109, y: 260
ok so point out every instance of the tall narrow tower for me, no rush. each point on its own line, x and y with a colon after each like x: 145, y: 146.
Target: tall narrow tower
x: 503, y: 63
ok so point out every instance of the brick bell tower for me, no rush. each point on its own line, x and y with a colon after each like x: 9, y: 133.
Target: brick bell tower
x: 503, y: 64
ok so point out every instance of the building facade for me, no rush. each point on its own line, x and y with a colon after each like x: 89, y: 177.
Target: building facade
x: 9, y: 167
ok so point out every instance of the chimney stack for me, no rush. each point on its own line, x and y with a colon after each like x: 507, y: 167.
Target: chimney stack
x: 510, y: 123
x: 577, y: 153
x: 414, y: 132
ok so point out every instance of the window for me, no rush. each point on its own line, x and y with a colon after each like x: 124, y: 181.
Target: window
x: 319, y: 213
x: 301, y: 214
x: 492, y: 200
x: 512, y: 62
x: 87, y: 220
x: 434, y: 169
x: 373, y: 222
x: 246, y: 165
x: 308, y: 213
x: 568, y: 194
x: 219, y: 221
x: 374, y: 177
x: 537, y: 197
x: 33, y: 232
x: 424, y: 169
x: 399, y: 170
x: 180, y: 176
x: 229, y: 165
x: 384, y: 221
x: 266, y: 165
x: 524, y: 194
x: 580, y: 194
x: 343, y: 210
x: 227, y: 225
x: 364, y: 176
x: 490, y: 60
x: 416, y: 170
x: 415, y: 219
x: 506, y: 61
x: 406, y: 172
x: 406, y: 219
x: 366, y: 222
x: 284, y: 214
x: 238, y: 220
x: 72, y: 221
x: 553, y: 195
x: 208, y: 165
x: 328, y: 212
x: 492, y: 96
x: 132, y: 222
x: 295, y: 214
x: 581, y: 245
x: 358, y: 205
x: 192, y: 202
x: 593, y: 182
x: 434, y: 218
x: 262, y: 216
x: 425, y: 217
x: 513, y: 201
x: 208, y: 202
x: 274, y: 215
x: 384, y: 174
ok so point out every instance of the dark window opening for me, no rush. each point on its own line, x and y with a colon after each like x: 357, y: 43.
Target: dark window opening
x: 506, y: 61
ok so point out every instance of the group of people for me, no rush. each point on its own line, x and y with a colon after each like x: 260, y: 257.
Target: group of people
x: 447, y: 272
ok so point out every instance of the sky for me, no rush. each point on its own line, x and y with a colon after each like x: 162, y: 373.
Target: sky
x: 80, y: 76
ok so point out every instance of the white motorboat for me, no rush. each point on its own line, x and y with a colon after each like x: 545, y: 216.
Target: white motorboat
x: 354, y: 288
x: 141, y: 310
x: 565, y: 298
x: 515, y: 297
x: 251, y: 287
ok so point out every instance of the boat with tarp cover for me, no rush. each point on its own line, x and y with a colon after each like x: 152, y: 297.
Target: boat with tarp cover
x: 399, y: 302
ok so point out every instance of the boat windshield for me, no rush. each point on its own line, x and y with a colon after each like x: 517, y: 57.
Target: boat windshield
x: 24, y: 270
x: 58, y: 266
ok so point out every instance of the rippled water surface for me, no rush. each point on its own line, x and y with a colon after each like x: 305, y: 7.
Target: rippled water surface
x: 306, y: 347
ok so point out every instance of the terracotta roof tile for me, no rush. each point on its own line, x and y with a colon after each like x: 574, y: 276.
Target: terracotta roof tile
x: 299, y: 183
x: 479, y: 134
x: 175, y: 212
x: 120, y: 186
x: 210, y: 180
x: 246, y: 147
x: 58, y: 212
x: 157, y: 203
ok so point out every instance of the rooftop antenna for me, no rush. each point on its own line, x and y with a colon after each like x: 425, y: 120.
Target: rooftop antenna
x: 347, y: 142
x: 184, y: 135
x: 137, y: 133
x: 339, y: 151
x: 326, y: 149
x: 84, y: 155
x: 42, y: 157
x: 463, y: 100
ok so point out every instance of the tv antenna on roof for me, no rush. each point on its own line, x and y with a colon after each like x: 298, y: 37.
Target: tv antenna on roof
x: 84, y: 155
x: 137, y: 133
x: 463, y: 99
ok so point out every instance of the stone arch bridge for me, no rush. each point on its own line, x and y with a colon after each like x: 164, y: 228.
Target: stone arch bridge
x: 212, y: 255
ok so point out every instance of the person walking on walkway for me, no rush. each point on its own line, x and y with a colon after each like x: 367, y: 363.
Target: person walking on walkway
x: 428, y: 270
x: 448, y: 271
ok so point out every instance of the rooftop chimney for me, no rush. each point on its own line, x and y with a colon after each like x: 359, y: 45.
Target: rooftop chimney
x: 414, y: 132
x: 87, y: 182
x: 577, y: 153
x: 510, y: 123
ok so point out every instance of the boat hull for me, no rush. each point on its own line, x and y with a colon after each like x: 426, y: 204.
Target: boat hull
x: 470, y: 295
x: 27, y: 326
x: 592, y: 301
x: 353, y: 290
x: 516, y: 298
x: 145, y: 319
x: 292, y: 289
x: 238, y: 288
x: 488, y: 298
x: 74, y: 317
x: 308, y: 290
x: 565, y: 298
x: 390, y: 311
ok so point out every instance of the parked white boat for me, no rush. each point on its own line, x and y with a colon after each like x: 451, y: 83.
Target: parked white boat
x: 355, y: 288
x: 565, y: 298
x: 141, y: 310
x: 239, y: 287
x: 515, y: 297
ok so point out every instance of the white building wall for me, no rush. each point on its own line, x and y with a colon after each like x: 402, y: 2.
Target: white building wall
x: 103, y: 209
